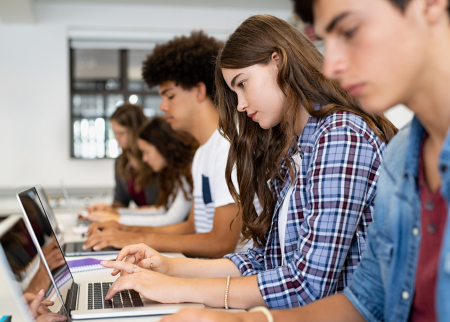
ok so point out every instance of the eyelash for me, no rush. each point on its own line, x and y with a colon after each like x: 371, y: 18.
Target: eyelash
x: 170, y: 97
x: 350, y: 33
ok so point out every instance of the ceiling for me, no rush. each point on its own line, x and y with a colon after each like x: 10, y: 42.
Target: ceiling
x: 261, y: 4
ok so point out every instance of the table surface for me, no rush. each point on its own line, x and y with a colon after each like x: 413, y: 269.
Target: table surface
x: 67, y: 222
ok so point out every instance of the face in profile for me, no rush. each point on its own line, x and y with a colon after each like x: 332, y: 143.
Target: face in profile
x: 373, y: 49
x: 178, y: 105
x: 258, y: 92
x: 152, y: 156
x: 120, y: 133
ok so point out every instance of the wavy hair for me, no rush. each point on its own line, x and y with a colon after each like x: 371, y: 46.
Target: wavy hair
x: 257, y: 153
x: 132, y: 118
x: 178, y: 148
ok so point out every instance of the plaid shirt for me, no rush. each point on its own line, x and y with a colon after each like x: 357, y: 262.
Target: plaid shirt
x: 329, y: 212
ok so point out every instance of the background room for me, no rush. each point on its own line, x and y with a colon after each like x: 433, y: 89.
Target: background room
x: 66, y: 64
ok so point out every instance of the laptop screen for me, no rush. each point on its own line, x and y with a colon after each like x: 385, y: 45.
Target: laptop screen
x: 47, y: 241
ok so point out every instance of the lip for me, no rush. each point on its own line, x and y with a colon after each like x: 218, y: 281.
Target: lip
x: 252, y: 115
x: 169, y: 119
x: 355, y: 89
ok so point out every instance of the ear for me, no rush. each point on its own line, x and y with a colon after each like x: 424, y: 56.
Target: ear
x: 200, y: 91
x: 275, y: 58
x: 435, y: 10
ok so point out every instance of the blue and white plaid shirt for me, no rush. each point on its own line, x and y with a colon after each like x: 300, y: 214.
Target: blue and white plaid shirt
x: 329, y: 212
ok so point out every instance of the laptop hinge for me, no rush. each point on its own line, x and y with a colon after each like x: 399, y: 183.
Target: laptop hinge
x: 72, y: 297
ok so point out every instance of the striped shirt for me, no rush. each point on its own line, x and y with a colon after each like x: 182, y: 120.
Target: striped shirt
x: 210, y: 187
x: 329, y: 212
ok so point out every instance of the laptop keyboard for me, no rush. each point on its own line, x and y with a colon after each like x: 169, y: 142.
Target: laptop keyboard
x: 97, y: 293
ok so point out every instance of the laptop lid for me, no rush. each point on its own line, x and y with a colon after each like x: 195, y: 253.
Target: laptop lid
x: 17, y: 257
x: 47, y: 209
x: 61, y: 277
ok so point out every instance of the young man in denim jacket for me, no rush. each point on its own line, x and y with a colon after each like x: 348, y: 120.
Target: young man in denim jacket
x: 386, y: 52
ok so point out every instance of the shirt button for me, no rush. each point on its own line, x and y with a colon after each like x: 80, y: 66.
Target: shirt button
x: 405, y: 295
x: 443, y: 168
x: 429, y: 205
x: 431, y: 228
x: 415, y: 231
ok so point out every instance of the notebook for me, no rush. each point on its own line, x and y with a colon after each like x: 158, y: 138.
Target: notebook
x: 84, y: 265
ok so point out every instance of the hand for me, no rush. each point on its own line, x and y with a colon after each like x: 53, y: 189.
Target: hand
x: 151, y: 285
x: 143, y: 256
x: 208, y: 315
x: 39, y: 310
x: 101, y: 215
x: 110, y: 237
x: 101, y: 207
x: 95, y: 227
x: 53, y: 255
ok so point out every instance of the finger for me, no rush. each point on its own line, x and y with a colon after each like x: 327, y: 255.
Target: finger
x: 48, y: 303
x: 93, y: 228
x: 120, y: 284
x: 102, y: 244
x: 92, y: 240
x: 43, y: 309
x: 51, y: 317
x: 122, y: 266
x: 130, y: 250
x: 29, y: 297
x: 34, y: 305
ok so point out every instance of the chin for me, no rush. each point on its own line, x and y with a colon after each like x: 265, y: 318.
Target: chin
x: 375, y: 105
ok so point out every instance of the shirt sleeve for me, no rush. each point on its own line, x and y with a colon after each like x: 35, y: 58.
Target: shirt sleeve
x: 158, y: 216
x: 120, y: 192
x: 338, y: 177
x: 249, y: 263
x: 222, y: 195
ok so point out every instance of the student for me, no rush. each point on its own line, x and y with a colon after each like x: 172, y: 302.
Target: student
x: 386, y: 53
x: 169, y: 154
x: 135, y: 181
x: 320, y: 154
x: 184, y: 70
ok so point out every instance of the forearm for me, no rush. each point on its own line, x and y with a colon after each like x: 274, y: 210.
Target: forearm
x: 117, y: 204
x: 196, y: 268
x: 206, y: 245
x: 181, y: 228
x: 243, y: 292
x: 336, y: 308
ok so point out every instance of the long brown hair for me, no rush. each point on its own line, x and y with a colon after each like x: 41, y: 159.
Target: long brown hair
x: 257, y: 153
x: 178, y: 148
x: 132, y: 118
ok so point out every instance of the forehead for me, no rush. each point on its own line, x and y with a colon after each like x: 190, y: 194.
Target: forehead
x: 326, y: 11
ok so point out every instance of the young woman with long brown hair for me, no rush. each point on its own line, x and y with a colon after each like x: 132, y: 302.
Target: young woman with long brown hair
x: 169, y: 154
x: 310, y: 156
x: 135, y: 181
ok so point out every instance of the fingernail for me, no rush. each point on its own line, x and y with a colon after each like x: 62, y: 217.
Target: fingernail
x: 95, y: 248
x: 84, y: 247
x: 41, y: 292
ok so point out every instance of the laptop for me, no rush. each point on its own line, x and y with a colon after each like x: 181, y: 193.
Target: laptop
x: 18, y: 258
x: 37, y: 193
x: 85, y: 300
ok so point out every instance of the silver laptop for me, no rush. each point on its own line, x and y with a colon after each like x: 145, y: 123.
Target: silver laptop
x: 71, y: 248
x: 85, y: 300
x: 18, y: 258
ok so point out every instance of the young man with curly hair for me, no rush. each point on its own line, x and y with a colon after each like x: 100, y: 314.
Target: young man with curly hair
x: 183, y: 69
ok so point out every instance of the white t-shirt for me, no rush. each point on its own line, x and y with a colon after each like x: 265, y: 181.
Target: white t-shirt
x: 177, y: 210
x: 210, y: 187
x: 282, y: 213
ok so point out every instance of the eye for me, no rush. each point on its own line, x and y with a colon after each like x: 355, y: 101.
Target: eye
x: 170, y: 97
x: 350, y: 33
x: 242, y: 84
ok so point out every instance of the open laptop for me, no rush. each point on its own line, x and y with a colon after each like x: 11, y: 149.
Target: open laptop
x: 18, y: 258
x: 85, y: 300
x: 70, y: 249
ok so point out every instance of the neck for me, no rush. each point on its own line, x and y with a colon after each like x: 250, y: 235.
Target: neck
x: 205, y: 122
x: 431, y: 99
x: 302, y: 119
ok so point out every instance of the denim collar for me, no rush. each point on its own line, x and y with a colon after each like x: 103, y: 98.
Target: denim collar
x: 413, y: 149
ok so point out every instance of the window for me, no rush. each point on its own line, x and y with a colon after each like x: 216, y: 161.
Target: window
x: 100, y: 81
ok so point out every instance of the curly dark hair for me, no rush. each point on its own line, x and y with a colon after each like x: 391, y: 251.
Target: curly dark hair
x: 178, y: 148
x: 184, y: 60
x: 303, y: 8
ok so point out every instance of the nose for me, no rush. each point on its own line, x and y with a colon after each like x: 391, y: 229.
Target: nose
x: 242, y: 104
x: 163, y: 106
x: 335, y: 64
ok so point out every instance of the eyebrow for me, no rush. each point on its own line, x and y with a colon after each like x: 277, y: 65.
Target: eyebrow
x: 165, y: 91
x: 233, y: 81
x: 335, y: 21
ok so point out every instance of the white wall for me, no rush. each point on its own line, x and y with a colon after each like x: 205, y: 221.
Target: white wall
x: 34, y: 82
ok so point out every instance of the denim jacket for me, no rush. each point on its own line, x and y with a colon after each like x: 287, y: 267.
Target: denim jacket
x: 383, y: 284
